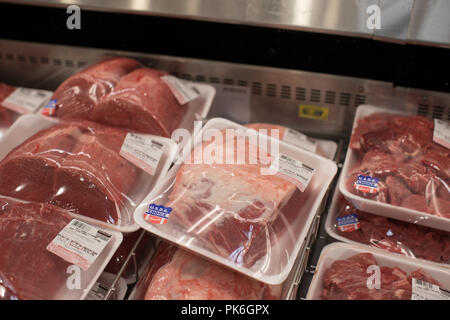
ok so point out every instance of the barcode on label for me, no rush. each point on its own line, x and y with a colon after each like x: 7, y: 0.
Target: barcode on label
x: 422, y: 290
x: 81, y: 225
x: 79, y: 243
x: 426, y: 284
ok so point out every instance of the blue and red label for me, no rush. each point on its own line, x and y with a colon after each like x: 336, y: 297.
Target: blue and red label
x: 366, y: 184
x: 157, y: 214
x: 348, y: 223
x: 50, y: 109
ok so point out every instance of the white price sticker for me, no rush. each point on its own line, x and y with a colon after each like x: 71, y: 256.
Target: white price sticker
x: 142, y: 151
x: 25, y: 101
x: 79, y: 243
x: 422, y: 290
x: 181, y: 89
x: 441, y: 134
x: 293, y: 170
x: 300, y: 140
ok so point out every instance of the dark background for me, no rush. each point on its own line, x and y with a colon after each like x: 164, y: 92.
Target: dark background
x: 404, y: 65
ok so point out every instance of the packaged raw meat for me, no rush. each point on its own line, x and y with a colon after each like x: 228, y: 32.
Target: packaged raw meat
x: 78, y: 165
x: 324, y: 148
x: 120, y: 92
x: 142, y: 102
x: 395, y: 168
x: 77, y: 96
x: 348, y: 224
x: 220, y: 203
x: 27, y: 269
x: 350, y: 272
x: 175, y: 274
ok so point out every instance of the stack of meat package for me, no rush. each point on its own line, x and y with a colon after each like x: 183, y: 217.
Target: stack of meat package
x: 175, y: 274
x: 412, y: 170
x: 245, y: 221
x: 74, y: 167
x: 392, y: 159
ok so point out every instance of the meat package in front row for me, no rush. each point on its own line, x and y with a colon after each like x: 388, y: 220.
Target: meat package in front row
x: 349, y: 279
x: 27, y: 269
x: 74, y: 165
x: 228, y: 208
x: 119, y: 92
x: 412, y: 170
x: 396, y: 236
x: 175, y: 274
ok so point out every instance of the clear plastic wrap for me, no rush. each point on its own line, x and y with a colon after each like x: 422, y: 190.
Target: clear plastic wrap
x: 120, y: 92
x: 395, y: 236
x: 77, y: 166
x: 393, y: 160
x: 324, y: 148
x: 231, y: 212
x: 175, y: 274
x: 27, y: 269
x: 349, y: 272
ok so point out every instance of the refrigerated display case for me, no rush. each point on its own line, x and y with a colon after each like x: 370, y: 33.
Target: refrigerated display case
x: 302, y: 64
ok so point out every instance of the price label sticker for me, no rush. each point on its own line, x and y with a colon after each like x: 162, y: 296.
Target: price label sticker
x: 422, y: 290
x: 441, y: 133
x: 142, y: 151
x: 181, y: 89
x: 24, y: 100
x: 293, y: 170
x: 79, y: 243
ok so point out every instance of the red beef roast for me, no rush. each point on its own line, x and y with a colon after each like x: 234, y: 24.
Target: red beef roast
x: 77, y: 95
x: 143, y: 102
x: 75, y: 165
